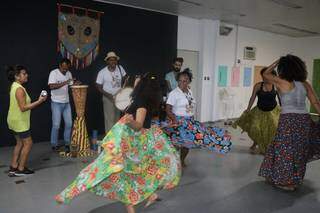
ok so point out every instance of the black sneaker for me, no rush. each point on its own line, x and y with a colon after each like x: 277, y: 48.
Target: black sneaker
x: 25, y: 171
x: 67, y: 149
x: 12, y: 171
x: 55, y: 148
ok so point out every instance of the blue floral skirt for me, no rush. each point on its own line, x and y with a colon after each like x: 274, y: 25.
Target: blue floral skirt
x: 193, y: 134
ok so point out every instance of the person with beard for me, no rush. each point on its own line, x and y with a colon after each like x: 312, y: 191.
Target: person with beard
x: 171, y: 77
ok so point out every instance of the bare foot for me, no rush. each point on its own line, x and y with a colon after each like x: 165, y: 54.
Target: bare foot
x: 268, y: 181
x: 153, y: 198
x: 59, y: 200
x: 254, y: 149
x: 130, y: 209
x: 183, y: 164
x: 286, y: 188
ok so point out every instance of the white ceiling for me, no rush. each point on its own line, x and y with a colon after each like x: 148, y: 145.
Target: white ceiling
x: 302, y: 17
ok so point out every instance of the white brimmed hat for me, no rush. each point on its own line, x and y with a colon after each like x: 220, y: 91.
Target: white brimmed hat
x: 111, y: 55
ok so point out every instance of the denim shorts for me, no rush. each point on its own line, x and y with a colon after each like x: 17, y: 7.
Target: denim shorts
x: 22, y: 135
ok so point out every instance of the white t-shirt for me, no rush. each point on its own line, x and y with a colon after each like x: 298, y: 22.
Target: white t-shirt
x: 60, y: 95
x: 110, y: 81
x: 183, y: 104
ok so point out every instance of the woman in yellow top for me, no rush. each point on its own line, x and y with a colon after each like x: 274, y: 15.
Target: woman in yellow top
x: 19, y: 119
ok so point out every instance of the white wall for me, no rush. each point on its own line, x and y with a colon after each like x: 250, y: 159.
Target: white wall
x: 309, y: 49
x: 193, y: 35
x: 201, y: 35
x: 230, y: 48
x: 188, y: 33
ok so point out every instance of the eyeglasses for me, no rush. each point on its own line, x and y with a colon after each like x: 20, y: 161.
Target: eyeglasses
x: 184, y: 81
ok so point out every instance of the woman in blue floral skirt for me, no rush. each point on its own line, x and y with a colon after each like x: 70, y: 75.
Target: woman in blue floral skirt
x: 185, y: 132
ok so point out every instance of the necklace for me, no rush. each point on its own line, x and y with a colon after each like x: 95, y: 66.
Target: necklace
x: 189, y: 106
x: 116, y: 82
x: 188, y: 97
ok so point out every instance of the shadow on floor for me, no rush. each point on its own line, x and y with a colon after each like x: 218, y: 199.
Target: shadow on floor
x: 255, y: 197
x: 119, y: 207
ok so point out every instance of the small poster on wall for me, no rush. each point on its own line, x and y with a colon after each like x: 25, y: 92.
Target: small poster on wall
x: 257, y: 77
x: 247, y: 76
x: 222, y: 76
x: 235, y: 76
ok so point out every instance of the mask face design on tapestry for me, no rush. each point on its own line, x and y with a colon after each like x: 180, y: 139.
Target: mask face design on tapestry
x: 78, y: 38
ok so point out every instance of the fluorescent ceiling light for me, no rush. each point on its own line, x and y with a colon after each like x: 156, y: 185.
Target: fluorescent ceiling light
x: 286, y: 3
x: 295, y: 29
x: 191, y: 2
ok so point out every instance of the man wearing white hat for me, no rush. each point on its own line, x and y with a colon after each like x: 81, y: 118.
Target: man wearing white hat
x: 108, y: 84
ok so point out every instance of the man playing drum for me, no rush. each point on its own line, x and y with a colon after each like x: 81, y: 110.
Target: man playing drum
x: 108, y: 83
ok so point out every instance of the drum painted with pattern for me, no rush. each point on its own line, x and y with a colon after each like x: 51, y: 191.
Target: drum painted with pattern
x: 79, y: 94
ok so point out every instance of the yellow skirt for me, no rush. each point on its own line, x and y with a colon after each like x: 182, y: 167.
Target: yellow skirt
x: 261, y: 126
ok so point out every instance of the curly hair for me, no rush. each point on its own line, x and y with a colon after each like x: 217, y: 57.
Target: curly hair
x: 12, y: 71
x: 186, y: 72
x: 264, y: 69
x: 65, y: 60
x: 148, y: 89
x: 177, y: 59
x: 292, y: 68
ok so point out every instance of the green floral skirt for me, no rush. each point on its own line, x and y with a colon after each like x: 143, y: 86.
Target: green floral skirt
x: 131, y: 167
x: 261, y: 126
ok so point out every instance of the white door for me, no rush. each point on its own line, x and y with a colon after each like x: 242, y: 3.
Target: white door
x: 191, y: 60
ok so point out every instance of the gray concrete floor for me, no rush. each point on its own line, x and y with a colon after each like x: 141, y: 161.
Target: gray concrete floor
x: 211, y: 183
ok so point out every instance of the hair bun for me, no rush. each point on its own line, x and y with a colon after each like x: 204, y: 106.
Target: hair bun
x: 8, y: 68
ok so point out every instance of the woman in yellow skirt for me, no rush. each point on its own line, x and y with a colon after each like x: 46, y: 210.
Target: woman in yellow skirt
x: 261, y: 122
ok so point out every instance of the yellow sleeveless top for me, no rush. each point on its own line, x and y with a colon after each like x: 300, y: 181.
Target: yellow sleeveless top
x: 18, y: 121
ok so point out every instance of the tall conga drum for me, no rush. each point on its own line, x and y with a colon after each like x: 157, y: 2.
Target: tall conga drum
x: 80, y: 139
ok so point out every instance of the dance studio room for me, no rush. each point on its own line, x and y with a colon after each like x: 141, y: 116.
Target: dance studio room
x: 191, y: 106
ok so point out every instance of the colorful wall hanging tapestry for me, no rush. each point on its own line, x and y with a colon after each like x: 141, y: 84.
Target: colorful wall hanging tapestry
x: 78, y: 35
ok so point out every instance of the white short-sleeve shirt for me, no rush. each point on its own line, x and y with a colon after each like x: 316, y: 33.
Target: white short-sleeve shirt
x: 110, y: 81
x: 183, y: 104
x: 60, y: 95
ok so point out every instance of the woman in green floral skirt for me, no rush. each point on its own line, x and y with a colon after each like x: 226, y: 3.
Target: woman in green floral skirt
x: 137, y: 159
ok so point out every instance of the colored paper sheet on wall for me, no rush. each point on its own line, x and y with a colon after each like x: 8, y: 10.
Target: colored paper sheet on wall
x: 247, y: 76
x: 256, y: 76
x: 235, y: 76
x: 316, y: 80
x: 222, y: 76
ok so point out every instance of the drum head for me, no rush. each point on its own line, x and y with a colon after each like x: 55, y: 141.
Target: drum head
x: 123, y: 99
x: 79, y: 86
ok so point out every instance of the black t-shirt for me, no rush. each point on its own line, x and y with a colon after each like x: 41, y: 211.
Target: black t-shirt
x: 140, y: 103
